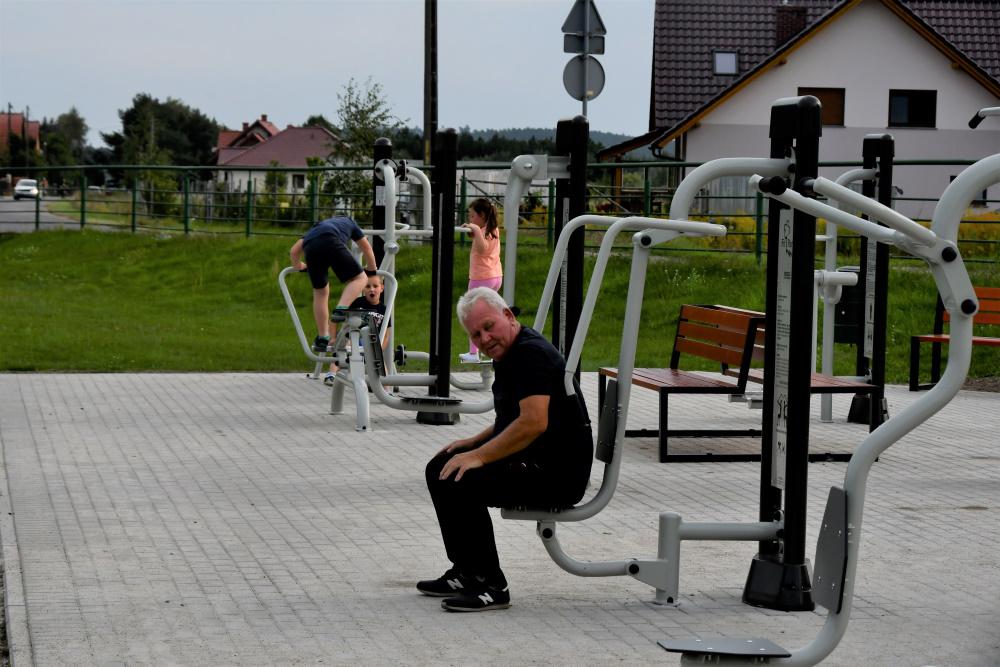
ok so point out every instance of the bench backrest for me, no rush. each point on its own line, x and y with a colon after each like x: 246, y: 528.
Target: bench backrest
x: 987, y: 315
x: 725, y: 335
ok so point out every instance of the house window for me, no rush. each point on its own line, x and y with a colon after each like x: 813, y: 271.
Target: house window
x: 832, y: 100
x: 726, y: 62
x: 912, y: 108
x: 298, y: 181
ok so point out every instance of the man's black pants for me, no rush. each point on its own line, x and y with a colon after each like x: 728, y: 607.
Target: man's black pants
x: 462, y: 507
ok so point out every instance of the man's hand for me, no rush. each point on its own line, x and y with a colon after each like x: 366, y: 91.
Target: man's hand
x: 299, y: 266
x: 457, y: 446
x: 461, y: 463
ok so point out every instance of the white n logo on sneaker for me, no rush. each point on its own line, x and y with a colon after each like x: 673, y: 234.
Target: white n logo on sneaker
x: 486, y: 598
x: 455, y: 584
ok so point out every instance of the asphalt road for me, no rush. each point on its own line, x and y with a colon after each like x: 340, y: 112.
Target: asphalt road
x: 19, y: 216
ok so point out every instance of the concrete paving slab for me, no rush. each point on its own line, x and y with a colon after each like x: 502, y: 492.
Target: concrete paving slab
x: 227, y: 519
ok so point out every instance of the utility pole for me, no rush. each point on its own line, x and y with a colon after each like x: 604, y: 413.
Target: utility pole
x: 430, y: 78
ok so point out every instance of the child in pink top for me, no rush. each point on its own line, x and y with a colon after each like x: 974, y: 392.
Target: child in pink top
x: 484, y: 259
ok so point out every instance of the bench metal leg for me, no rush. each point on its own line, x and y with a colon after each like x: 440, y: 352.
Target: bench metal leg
x: 914, y: 364
x: 935, y: 363
x: 663, y: 400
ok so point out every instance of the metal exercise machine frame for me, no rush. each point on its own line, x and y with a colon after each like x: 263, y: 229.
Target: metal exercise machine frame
x: 661, y: 572
x: 840, y: 535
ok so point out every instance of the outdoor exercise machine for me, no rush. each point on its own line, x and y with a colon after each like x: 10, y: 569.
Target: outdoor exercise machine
x: 872, y: 278
x: 363, y: 371
x: 658, y: 572
x: 780, y: 577
x: 388, y: 178
x: 569, y: 169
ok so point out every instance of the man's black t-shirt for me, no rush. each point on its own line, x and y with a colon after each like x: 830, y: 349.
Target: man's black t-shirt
x: 533, y: 367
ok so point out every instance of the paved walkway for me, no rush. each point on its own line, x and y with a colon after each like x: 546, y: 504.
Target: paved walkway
x: 227, y: 519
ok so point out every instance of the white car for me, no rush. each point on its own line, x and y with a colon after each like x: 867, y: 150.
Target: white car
x: 26, y: 187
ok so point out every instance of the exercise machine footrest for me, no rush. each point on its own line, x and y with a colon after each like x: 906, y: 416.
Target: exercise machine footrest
x: 743, y: 648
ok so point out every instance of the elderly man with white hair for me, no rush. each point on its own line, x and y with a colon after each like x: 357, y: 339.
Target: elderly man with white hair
x: 538, y: 452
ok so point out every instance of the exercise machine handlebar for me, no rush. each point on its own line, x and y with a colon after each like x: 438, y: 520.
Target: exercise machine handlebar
x: 688, y: 189
x: 981, y: 114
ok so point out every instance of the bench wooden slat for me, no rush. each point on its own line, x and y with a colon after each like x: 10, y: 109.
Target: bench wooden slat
x: 723, y: 355
x: 725, y: 318
x: 735, y: 340
x: 945, y: 339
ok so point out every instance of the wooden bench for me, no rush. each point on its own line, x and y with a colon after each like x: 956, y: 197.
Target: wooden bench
x: 988, y: 315
x: 733, y: 338
x: 724, y: 336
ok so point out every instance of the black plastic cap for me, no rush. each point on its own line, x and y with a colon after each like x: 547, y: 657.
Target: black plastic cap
x: 793, y: 117
x: 949, y: 254
x: 633, y: 568
x: 975, y: 121
x: 969, y: 307
x: 547, y: 533
x: 773, y: 185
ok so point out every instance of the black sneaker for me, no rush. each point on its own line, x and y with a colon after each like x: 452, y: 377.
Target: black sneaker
x: 338, y: 315
x: 483, y: 599
x: 321, y: 343
x: 448, y: 584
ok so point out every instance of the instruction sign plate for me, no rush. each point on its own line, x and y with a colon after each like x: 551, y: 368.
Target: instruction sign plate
x: 783, y: 323
x: 869, y: 344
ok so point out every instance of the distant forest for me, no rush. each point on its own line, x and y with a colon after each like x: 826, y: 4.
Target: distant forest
x: 501, y: 145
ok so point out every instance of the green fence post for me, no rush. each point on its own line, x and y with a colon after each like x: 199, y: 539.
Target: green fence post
x: 83, y: 199
x: 249, y: 203
x: 551, y: 210
x: 758, y: 215
x: 135, y: 200
x: 647, y: 193
x: 187, y: 203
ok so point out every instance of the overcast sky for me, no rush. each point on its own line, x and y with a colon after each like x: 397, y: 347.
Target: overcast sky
x: 500, y: 62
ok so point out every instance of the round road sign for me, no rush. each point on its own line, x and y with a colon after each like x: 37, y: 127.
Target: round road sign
x: 573, y: 77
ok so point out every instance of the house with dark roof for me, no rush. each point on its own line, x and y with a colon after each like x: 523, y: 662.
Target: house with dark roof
x: 917, y: 69
x: 261, y: 144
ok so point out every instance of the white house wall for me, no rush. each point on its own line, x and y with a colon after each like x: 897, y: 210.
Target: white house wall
x: 867, y: 51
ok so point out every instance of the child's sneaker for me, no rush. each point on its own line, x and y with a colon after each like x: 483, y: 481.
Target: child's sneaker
x: 329, y: 379
x: 469, y: 358
x: 482, y: 599
x: 321, y: 343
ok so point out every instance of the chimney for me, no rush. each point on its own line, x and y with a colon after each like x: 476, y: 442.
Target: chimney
x: 788, y: 22
x: 245, y: 126
x: 263, y: 117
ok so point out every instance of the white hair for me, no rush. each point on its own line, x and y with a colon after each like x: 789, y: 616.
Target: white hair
x: 474, y: 295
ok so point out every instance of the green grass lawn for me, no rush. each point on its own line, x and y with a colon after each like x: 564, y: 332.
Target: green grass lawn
x: 92, y: 301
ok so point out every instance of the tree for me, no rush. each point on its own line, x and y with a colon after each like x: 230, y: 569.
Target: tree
x: 319, y: 120
x: 364, y: 116
x: 72, y: 128
x: 170, y: 130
